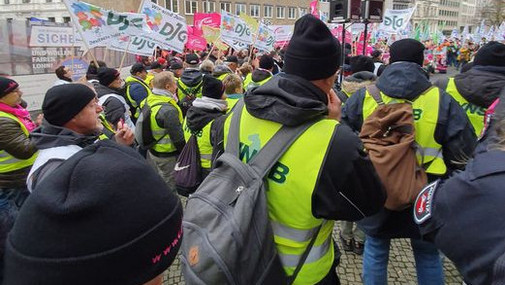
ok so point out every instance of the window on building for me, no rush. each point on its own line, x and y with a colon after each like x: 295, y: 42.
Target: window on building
x: 66, y: 19
x: 191, y: 7
x: 49, y: 1
x: 172, y: 5
x: 240, y: 7
x: 302, y: 11
x: 25, y: 1
x: 209, y: 7
x: 268, y: 11
x: 51, y: 19
x: 226, y: 6
x: 291, y: 13
x: 281, y: 12
x: 255, y: 10
x: 7, y: 1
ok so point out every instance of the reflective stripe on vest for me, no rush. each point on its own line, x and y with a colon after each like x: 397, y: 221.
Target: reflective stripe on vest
x: 204, y: 144
x: 9, y: 163
x: 291, y: 183
x: 222, y: 76
x: 164, y: 144
x: 475, y: 113
x: 425, y: 109
x: 231, y: 103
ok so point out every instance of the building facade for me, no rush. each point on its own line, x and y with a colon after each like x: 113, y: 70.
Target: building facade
x: 280, y: 12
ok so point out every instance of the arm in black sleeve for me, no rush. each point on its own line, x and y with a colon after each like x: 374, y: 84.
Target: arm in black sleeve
x: 168, y: 118
x: 352, y: 112
x: 217, y: 137
x: 455, y: 133
x: 114, y: 110
x: 348, y: 187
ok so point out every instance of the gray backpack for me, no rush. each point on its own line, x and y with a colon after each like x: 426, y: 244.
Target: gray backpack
x: 228, y: 238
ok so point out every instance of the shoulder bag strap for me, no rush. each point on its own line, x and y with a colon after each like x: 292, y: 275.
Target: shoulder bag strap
x: 292, y: 278
x: 375, y: 93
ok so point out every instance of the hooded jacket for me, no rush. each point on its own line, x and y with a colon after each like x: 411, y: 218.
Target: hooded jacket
x: 191, y: 77
x: 291, y: 100
x: 481, y: 85
x: 114, y: 109
x: 198, y: 118
x: 406, y: 80
x: 355, y: 82
x: 220, y: 70
x: 260, y: 75
x: 55, y: 144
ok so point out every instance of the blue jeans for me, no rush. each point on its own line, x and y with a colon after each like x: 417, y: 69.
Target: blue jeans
x: 10, y: 203
x: 376, y: 256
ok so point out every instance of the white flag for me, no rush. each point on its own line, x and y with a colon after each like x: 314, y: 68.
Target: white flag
x: 233, y: 28
x: 396, y: 20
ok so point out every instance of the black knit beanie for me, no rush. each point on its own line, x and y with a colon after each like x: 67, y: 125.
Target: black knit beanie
x: 7, y: 85
x: 313, y: 52
x: 107, y: 75
x: 361, y: 63
x: 63, y: 102
x: 212, y: 87
x: 103, y: 217
x: 493, y: 53
x: 407, y: 50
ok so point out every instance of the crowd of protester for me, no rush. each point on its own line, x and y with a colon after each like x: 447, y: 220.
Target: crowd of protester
x: 88, y: 194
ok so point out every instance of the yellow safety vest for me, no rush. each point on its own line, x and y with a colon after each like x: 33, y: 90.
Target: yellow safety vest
x: 183, y: 90
x: 223, y: 76
x: 203, y: 140
x: 108, y: 131
x: 9, y: 163
x: 149, y: 79
x: 425, y: 109
x: 129, y: 80
x: 155, y: 102
x: 232, y: 101
x: 249, y: 83
x: 291, y: 184
x: 475, y: 113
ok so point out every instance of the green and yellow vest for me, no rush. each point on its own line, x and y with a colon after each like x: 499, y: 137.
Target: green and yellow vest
x: 291, y: 183
x: 249, y: 83
x: 129, y: 80
x: 183, y: 90
x: 425, y: 109
x: 9, y: 163
x: 475, y: 113
x: 155, y: 102
x: 204, y: 144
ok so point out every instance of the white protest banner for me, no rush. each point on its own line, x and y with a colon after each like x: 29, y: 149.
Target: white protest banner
x: 236, y: 45
x: 127, y: 23
x: 282, y: 33
x: 169, y: 29
x: 396, y: 20
x: 266, y: 38
x: 233, y: 28
x: 138, y: 45
x: 90, y: 21
x: 45, y: 36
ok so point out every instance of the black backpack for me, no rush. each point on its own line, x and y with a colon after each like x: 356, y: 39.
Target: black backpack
x: 188, y: 170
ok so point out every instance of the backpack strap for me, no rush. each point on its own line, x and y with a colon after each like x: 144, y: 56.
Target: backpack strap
x: 292, y: 278
x: 232, y: 144
x: 375, y: 93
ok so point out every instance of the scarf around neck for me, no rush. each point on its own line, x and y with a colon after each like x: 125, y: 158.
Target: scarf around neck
x: 210, y: 103
x: 21, y: 113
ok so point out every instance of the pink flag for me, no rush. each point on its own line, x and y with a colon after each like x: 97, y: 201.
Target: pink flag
x: 196, y: 42
x: 337, y: 33
x: 313, y: 9
x: 208, y: 19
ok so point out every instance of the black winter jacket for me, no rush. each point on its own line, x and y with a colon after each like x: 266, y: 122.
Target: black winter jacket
x: 468, y: 209
x: 347, y: 171
x: 114, y: 109
x: 454, y: 132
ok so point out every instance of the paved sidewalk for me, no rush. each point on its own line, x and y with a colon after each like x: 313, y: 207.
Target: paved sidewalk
x: 401, y: 270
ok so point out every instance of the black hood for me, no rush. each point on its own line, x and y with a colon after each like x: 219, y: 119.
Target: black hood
x: 403, y: 80
x: 361, y: 76
x: 481, y: 85
x: 191, y: 77
x: 260, y: 75
x: 287, y: 99
x: 220, y: 70
x: 48, y: 136
x: 102, y: 90
x: 197, y: 118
